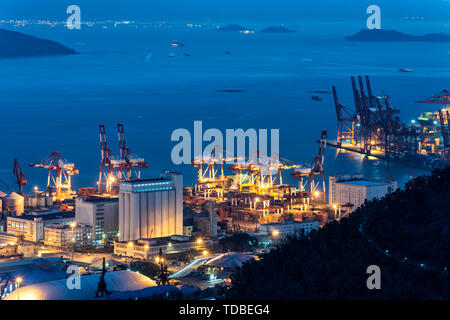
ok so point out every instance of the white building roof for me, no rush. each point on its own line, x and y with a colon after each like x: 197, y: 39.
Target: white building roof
x: 229, y: 260
x: 118, y: 281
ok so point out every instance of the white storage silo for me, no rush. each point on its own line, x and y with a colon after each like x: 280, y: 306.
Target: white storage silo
x: 14, y: 202
x: 2, y: 195
x: 32, y: 201
x: 41, y: 201
x: 48, y: 201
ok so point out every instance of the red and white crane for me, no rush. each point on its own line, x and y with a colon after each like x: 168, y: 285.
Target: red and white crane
x: 60, y: 172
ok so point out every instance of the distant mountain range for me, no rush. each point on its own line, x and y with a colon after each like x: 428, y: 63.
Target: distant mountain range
x: 379, y: 35
x: 15, y: 44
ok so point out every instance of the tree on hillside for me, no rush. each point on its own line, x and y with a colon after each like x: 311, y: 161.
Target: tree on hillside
x: 332, y: 263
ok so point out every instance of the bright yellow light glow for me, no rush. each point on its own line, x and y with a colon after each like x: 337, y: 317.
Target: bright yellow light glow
x: 27, y: 296
x: 19, y: 280
x: 146, y: 246
x: 130, y: 244
x: 316, y: 193
x: 170, y: 244
x: 275, y: 233
x: 205, y: 253
x: 73, y: 224
x: 199, y: 240
x: 157, y: 259
x: 334, y: 206
x: 112, y: 179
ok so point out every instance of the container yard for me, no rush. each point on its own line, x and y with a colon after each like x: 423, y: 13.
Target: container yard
x: 249, y: 191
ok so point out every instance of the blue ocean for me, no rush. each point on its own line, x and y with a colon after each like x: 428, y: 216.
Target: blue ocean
x: 131, y: 74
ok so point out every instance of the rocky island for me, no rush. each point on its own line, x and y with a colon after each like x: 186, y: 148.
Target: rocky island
x: 379, y: 35
x: 273, y: 29
x: 15, y: 44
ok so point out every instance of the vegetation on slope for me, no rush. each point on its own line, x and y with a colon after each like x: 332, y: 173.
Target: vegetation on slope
x: 332, y: 263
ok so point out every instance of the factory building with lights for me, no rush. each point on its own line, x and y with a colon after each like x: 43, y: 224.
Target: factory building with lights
x: 288, y: 228
x: 146, y: 248
x: 101, y: 213
x: 353, y: 190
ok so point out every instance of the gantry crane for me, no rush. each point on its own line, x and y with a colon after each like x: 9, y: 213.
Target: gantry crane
x: 108, y: 178
x: 115, y: 169
x: 209, y: 183
x: 20, y: 176
x: 265, y: 175
x: 60, y: 172
x: 442, y: 118
x: 375, y: 129
x: 127, y: 159
x: 311, y: 175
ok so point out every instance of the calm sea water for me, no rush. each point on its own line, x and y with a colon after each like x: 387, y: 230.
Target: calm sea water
x: 57, y: 103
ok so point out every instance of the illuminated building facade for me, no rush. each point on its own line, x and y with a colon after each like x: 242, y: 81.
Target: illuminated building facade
x: 151, y: 208
x: 100, y: 213
x: 65, y: 237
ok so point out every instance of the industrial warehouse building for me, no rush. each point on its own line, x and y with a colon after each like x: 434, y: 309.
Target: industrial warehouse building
x: 353, y: 190
x: 64, y: 236
x: 151, y: 208
x: 100, y: 213
x: 31, y: 226
x: 145, y: 248
x: 287, y: 228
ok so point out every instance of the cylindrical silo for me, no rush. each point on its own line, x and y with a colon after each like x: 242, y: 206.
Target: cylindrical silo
x: 48, y: 201
x: 41, y: 201
x: 32, y: 202
x: 14, y: 202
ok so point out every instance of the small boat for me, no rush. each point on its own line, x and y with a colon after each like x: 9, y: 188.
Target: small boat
x: 405, y: 70
x: 176, y: 44
x: 187, y: 54
x: 316, y: 98
x: 229, y: 52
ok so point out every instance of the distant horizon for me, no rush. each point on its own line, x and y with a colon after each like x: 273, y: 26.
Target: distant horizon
x: 261, y: 10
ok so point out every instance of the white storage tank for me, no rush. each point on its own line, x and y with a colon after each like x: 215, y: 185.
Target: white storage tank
x: 32, y: 202
x: 14, y: 202
x: 2, y: 195
x: 48, y: 201
x: 41, y: 201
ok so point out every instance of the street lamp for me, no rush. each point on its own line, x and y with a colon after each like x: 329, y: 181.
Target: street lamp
x: 205, y: 253
x: 199, y: 241
x: 73, y: 225
x: 275, y: 234
x: 18, y: 281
